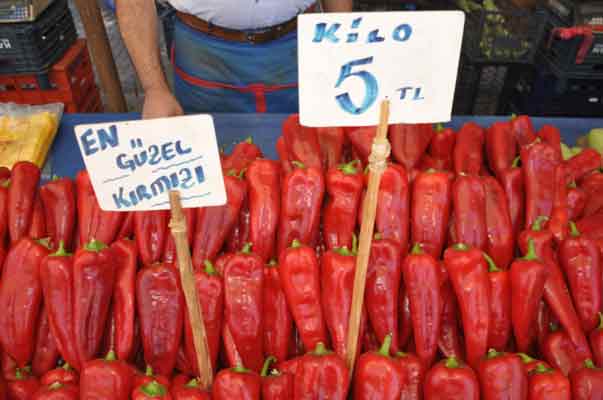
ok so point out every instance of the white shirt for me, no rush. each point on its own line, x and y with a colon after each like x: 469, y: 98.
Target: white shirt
x: 243, y: 14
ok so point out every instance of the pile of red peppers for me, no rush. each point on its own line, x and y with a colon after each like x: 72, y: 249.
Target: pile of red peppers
x: 484, y: 279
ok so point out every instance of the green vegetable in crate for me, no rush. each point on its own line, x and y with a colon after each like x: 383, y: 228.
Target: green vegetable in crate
x: 595, y: 139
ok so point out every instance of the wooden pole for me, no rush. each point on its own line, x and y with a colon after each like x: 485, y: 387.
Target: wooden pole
x: 96, y: 35
x: 178, y: 227
x: 377, y: 164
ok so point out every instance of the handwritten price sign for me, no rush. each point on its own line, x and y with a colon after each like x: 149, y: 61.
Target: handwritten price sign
x: 133, y: 165
x: 349, y: 62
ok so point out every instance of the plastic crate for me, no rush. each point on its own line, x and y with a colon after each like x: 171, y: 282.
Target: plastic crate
x: 572, y: 12
x: 70, y: 81
x: 503, y: 33
x: 21, y: 10
x: 32, y: 47
x: 384, y: 5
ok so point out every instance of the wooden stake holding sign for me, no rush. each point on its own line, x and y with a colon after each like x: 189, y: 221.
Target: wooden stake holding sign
x: 178, y: 227
x: 377, y: 164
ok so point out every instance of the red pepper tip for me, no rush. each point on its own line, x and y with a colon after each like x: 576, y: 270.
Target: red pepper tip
x: 461, y: 247
x: 153, y: 389
x: 55, y: 386
x: 95, y: 246
x: 417, y: 249
x: 452, y: 362
x: 298, y: 164
x: 266, y: 366
x: 491, y: 264
x: 574, y: 229
x: 296, y: 244
x: 61, y: 252
x: 209, y: 268
x: 386, y: 346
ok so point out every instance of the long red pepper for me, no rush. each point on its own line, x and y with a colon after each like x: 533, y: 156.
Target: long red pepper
x: 422, y: 282
x: 378, y: 367
x: 243, y: 154
x: 469, y: 203
x: 596, y: 342
x: 559, y: 351
x: 301, y: 201
x: 302, y: 142
x: 538, y: 163
x: 46, y: 352
x: 409, y: 142
x: 214, y: 224
x: 581, y: 164
x: 502, y: 376
x: 587, y: 382
x: 321, y: 375
x: 501, y: 147
x: 106, y: 378
x: 151, y: 232
x: 431, y: 203
x: 344, y: 185
x: 58, y: 391
x: 278, y: 322
x: 243, y: 306
x: 450, y: 339
x: 500, y: 242
x: 300, y: 277
x: 239, y: 236
x: 63, y: 374
x: 442, y: 144
x: 383, y: 278
x: 21, y: 195
x: 499, y: 329
x: 237, y: 383
x: 283, y: 155
x: 413, y: 373
x: 468, y: 150
x: 126, y: 229
x: 37, y: 227
x: 405, y: 319
x: 263, y: 178
x: 60, y: 211
x: 551, y: 135
x: 331, y: 141
x: 23, y: 386
x: 276, y: 385
x: 558, y: 222
x: 544, y: 319
x: 522, y: 129
x: 468, y: 274
x: 580, y: 259
x: 451, y: 380
x: 160, y: 306
x: 124, y: 302
x: 361, y: 139
x: 513, y: 184
x: 21, y: 299
x: 576, y: 202
x: 169, y: 252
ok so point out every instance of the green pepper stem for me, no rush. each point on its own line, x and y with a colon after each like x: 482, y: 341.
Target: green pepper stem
x: 272, y: 263
x: 541, y: 369
x: 417, y: 249
x: 491, y: 264
x: 538, y: 222
x: 342, y: 251
x: 95, y: 246
x: 452, y: 362
x: 298, y: 164
x: 66, y: 366
x: 231, y: 172
x: 240, y: 369
x: 349, y: 168
x: 531, y: 254
x: 515, y: 162
x: 320, y: 350
x: 574, y: 229
x: 492, y: 353
x: 61, y: 252
x: 193, y: 383
x: 153, y: 389
x: 525, y: 358
x: 588, y: 363
x: 44, y: 242
x: 386, y: 346
x: 246, y: 248
x: 600, y: 327
x: 401, y: 354
x: 439, y: 127
x: 249, y: 140
x: 55, y: 386
x: 209, y: 268
x: 111, y: 356
x: 354, y: 244
x: 378, y: 236
x: 149, y: 371
x: 461, y: 247
x: 296, y: 244
x: 266, y: 366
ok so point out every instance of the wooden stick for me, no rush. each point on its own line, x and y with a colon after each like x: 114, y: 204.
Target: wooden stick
x: 377, y: 164
x: 178, y: 227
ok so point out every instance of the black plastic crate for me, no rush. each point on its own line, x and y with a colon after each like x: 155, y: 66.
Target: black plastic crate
x: 384, y: 5
x: 33, y: 47
x: 500, y: 32
x: 572, y: 12
x: 21, y: 10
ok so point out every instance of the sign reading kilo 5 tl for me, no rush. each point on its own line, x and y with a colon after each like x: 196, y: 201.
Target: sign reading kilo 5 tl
x: 349, y: 62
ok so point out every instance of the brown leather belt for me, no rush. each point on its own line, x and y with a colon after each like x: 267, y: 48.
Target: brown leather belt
x: 233, y: 35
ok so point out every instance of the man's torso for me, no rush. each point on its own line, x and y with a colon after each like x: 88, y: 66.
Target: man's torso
x: 243, y: 14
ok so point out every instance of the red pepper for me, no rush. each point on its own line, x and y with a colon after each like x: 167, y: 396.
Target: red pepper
x: 106, y: 378
x: 331, y: 142
x: 302, y: 142
x: 21, y: 299
x: 539, y: 161
x: 263, y: 178
x: 581, y: 164
x: 522, y: 129
x: 431, y: 203
x: 548, y: 384
x: 502, y: 376
x: 344, y: 185
x: 451, y: 380
x: 442, y: 143
x: 405, y: 322
x: 46, y: 353
x: 241, y: 156
x: 499, y: 328
x: 587, y: 382
x: 151, y: 231
x: 62, y: 374
x: 596, y: 342
x: 58, y: 391
x: 321, y: 375
x: 501, y: 147
x: 21, y: 198
x: 551, y: 135
x: 94, y: 223
x: 422, y: 282
x: 237, y: 383
x: 383, y: 278
x: 283, y: 155
x: 449, y: 342
x: 513, y: 185
x: 276, y: 385
x: 559, y: 219
x: 169, y: 253
x: 37, y: 229
x: 127, y: 227
x: 580, y: 259
x: 243, y: 305
x: 468, y: 274
x: 427, y: 162
x: 149, y: 376
x: 23, y: 386
x: 160, y: 311
x: 544, y: 319
x: 4, y: 174
x: 239, y: 236
x: 301, y: 202
x: 214, y: 224
x: 469, y: 202
x: 188, y: 390
x: 500, y: 242
x: 278, y: 322
x: 60, y: 211
x: 378, y: 375
x: 413, y: 373
x: 3, y: 213
x: 559, y: 352
x: 300, y: 277
x: 124, y: 302
x: 576, y: 202
x: 409, y: 142
x: 151, y: 390
x: 362, y: 140
x: 468, y: 152
x: 530, y: 364
x: 591, y: 226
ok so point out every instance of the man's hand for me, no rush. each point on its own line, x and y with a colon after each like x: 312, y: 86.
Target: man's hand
x: 159, y: 104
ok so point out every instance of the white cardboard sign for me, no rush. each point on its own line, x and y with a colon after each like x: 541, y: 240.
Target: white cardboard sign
x: 133, y: 165
x: 349, y: 62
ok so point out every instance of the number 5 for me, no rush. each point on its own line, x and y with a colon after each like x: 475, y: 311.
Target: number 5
x: 372, y: 88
